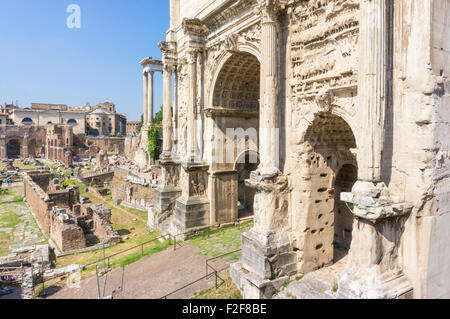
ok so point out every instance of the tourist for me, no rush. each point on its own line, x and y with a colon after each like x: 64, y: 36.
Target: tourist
x: 1, y: 182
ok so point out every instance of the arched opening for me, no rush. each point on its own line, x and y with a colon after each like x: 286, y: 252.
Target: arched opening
x: 27, y: 121
x: 13, y: 149
x: 72, y: 122
x: 329, y: 167
x: 246, y: 163
x: 234, y: 109
x: 343, y: 217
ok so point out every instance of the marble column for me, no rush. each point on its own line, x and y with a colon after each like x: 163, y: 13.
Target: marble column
x: 373, y: 269
x: 145, y: 96
x: 150, y: 98
x: 269, y: 81
x: 192, y: 103
x: 267, y: 253
x: 167, y: 112
x: 175, y: 115
x: 372, y: 81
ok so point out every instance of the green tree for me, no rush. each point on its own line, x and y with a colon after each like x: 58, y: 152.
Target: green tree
x: 154, y: 143
x: 140, y: 124
x: 158, y: 116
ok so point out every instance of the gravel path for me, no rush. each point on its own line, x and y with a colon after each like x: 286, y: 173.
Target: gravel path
x: 151, y: 278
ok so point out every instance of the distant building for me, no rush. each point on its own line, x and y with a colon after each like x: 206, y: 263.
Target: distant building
x: 132, y: 128
x: 42, y: 116
x: 46, y: 107
x: 104, y: 119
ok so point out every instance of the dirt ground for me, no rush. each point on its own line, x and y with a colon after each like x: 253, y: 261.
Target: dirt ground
x: 151, y: 278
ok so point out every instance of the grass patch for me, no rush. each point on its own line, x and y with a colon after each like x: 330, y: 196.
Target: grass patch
x: 227, y: 290
x: 122, y: 262
x: 299, y: 277
x: 286, y: 283
x: 335, y: 287
x: 10, y: 220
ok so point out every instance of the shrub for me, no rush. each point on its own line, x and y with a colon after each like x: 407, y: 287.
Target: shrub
x: 66, y: 183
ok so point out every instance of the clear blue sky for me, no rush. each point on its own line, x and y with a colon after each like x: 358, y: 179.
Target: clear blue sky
x: 43, y: 61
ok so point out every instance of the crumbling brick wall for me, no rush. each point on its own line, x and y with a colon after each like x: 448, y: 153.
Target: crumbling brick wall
x: 36, y: 197
x: 102, y: 224
x: 66, y: 233
x: 131, y: 193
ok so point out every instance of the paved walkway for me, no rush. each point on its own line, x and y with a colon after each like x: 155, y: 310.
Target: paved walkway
x: 152, y: 278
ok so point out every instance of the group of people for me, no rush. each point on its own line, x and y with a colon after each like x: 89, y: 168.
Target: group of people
x: 8, y: 181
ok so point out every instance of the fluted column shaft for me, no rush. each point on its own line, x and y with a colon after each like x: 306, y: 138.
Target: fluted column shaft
x: 167, y: 112
x: 269, y: 83
x: 145, y: 97
x: 192, y: 65
x: 373, y: 50
x: 150, y: 98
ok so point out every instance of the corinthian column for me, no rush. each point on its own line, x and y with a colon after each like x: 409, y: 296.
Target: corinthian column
x: 192, y: 102
x: 145, y: 96
x: 269, y: 82
x: 373, y: 269
x: 150, y: 98
x: 167, y: 112
x: 259, y: 265
x: 373, y: 53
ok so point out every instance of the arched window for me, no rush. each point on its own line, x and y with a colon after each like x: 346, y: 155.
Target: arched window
x: 72, y: 122
x: 27, y: 121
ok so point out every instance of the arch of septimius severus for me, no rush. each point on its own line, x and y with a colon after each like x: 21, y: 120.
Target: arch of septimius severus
x: 328, y: 120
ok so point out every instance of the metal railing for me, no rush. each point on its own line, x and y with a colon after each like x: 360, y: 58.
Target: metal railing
x: 208, y: 262
x: 128, y: 249
x: 208, y: 275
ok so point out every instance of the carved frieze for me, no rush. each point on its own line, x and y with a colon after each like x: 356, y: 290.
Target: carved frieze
x: 323, y: 45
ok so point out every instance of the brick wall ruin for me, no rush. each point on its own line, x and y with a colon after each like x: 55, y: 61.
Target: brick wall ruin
x: 139, y: 196
x: 61, y: 214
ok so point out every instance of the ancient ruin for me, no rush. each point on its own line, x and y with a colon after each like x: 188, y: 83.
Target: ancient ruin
x: 63, y: 216
x: 327, y: 120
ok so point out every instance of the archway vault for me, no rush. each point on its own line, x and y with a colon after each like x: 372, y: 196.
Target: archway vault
x: 328, y: 167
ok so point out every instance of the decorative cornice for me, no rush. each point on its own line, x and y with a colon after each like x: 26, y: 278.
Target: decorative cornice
x: 150, y: 61
x: 194, y: 27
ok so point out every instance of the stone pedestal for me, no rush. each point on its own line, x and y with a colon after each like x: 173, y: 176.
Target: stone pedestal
x: 192, y: 209
x: 267, y: 253
x: 159, y: 217
x: 373, y: 269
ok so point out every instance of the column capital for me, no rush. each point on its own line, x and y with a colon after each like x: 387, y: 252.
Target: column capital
x: 270, y: 8
x: 191, y: 56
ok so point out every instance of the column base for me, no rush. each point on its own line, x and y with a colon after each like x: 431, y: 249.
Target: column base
x: 373, y: 270
x: 374, y: 285
x: 160, y: 216
x: 252, y: 286
x: 190, y: 215
x: 268, y: 255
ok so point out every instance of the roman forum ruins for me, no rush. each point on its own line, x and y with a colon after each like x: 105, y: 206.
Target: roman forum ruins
x: 326, y: 119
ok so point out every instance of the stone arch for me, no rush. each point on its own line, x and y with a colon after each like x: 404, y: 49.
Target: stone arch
x: 328, y: 167
x: 237, y: 85
x: 222, y: 60
x: 234, y: 104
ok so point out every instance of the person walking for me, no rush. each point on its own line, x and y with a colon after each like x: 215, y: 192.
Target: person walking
x: 1, y: 183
